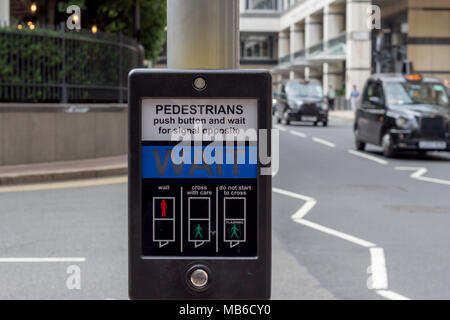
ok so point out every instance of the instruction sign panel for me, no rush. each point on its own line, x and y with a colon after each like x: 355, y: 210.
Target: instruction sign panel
x: 164, y: 118
x: 199, y: 177
x: 199, y: 191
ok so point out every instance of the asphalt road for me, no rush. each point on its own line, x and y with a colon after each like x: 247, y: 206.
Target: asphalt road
x: 345, y: 226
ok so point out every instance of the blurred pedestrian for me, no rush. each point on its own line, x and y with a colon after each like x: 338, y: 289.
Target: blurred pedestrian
x: 354, y: 98
x: 331, y: 96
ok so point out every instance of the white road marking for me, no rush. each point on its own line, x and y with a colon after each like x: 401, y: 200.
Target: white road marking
x: 388, y: 294
x: 274, y: 172
x: 296, y: 133
x: 280, y: 128
x: 324, y: 142
x: 378, y: 261
x: 336, y: 119
x: 309, y: 204
x: 378, y: 269
x: 292, y: 194
x: 336, y: 233
x: 367, y: 156
x: 303, y: 210
x: 48, y: 259
x: 418, y: 175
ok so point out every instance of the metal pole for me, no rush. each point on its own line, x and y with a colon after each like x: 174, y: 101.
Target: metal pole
x: 4, y: 12
x: 63, y: 65
x: 203, y: 34
x: 120, y: 67
x: 137, y: 21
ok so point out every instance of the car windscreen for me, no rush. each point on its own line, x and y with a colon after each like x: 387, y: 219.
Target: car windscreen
x: 404, y: 93
x: 305, y: 90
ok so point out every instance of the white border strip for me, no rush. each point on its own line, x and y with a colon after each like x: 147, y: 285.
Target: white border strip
x: 336, y: 233
x: 367, y: 156
x: 418, y: 175
x: 303, y: 210
x: 280, y: 128
x: 49, y: 259
x: 378, y: 269
x: 388, y: 294
x: 299, y: 134
x: 324, y: 142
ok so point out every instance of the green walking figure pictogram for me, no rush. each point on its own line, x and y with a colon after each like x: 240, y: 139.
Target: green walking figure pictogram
x: 198, y: 231
x: 234, y: 231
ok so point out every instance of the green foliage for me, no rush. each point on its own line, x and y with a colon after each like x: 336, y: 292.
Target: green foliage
x: 33, y: 65
x: 62, y: 6
x: 118, y: 16
x: 19, y: 52
x: 340, y: 92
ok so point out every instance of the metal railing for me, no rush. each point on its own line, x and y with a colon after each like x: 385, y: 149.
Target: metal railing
x: 315, y: 48
x: 300, y: 53
x: 341, y: 103
x: 341, y: 38
x: 284, y: 59
x: 262, y: 5
x: 51, y: 64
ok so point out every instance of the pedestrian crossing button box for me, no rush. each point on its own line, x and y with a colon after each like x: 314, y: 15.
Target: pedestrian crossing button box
x: 199, y: 204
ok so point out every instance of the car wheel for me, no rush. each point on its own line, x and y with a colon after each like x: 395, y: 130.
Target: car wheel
x: 388, y: 149
x: 285, y: 119
x: 422, y: 152
x: 325, y: 123
x: 359, y: 145
x: 315, y: 124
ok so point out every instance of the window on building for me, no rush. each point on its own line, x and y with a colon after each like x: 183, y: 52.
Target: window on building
x: 261, y: 4
x: 257, y: 47
x: 286, y: 4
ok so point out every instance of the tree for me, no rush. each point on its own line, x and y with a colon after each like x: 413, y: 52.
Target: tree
x: 118, y: 16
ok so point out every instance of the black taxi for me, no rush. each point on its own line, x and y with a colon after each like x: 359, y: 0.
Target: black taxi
x: 301, y: 100
x: 403, y: 112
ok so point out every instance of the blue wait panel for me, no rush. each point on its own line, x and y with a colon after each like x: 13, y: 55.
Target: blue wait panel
x: 220, y: 162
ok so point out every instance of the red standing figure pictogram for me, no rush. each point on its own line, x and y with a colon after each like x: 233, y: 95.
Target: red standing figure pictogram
x: 163, y: 208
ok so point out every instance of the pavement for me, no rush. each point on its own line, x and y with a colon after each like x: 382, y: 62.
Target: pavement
x: 346, y: 225
x: 377, y: 227
x: 342, y: 114
x: 63, y: 170
x: 85, y: 168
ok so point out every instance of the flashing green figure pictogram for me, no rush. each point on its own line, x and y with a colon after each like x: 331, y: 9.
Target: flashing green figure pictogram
x: 198, y: 231
x: 234, y: 230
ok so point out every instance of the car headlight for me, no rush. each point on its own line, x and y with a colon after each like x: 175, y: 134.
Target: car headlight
x: 401, y: 122
x: 324, y: 106
x: 405, y: 123
x: 274, y: 101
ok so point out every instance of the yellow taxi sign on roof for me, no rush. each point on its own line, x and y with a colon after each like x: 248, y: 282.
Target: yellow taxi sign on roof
x: 413, y: 77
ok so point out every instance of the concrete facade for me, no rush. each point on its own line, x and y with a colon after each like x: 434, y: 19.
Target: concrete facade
x: 32, y: 136
x: 315, y: 40
x: 429, y: 31
x: 334, y: 40
x: 4, y: 12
